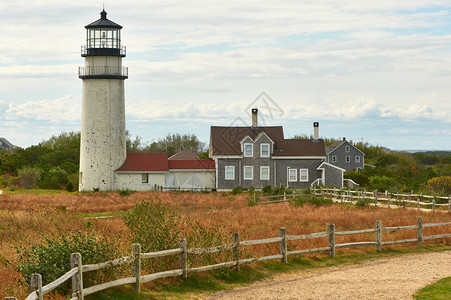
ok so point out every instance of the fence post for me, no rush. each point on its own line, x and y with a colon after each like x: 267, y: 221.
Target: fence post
x: 418, y: 200
x: 375, y: 197
x: 388, y: 198
x: 449, y: 203
x: 283, y: 245
x: 183, y: 258
x: 284, y: 195
x: 433, y: 204
x: 331, y: 230
x: 420, y: 232
x: 378, y: 236
x: 236, y: 249
x: 77, y: 279
x: 36, y: 285
x: 136, y: 266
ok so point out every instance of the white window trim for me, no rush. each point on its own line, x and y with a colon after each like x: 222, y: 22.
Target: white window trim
x: 295, y: 175
x: 300, y: 175
x: 334, y: 158
x: 347, y: 148
x: 252, y: 150
x: 261, y: 149
x: 357, y: 159
x: 252, y: 172
x: 348, y: 159
x: 261, y: 169
x: 233, y: 172
x: 145, y: 178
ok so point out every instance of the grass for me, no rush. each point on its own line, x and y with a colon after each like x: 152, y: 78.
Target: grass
x: 26, y: 216
x: 441, y: 290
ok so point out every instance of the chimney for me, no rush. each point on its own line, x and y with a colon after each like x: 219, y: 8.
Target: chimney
x: 344, y: 139
x: 254, y: 117
x: 315, y: 130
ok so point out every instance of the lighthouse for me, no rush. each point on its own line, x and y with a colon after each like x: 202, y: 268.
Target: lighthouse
x: 103, y: 136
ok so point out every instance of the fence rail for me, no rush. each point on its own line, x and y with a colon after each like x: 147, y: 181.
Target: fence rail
x: 78, y: 269
x: 373, y: 198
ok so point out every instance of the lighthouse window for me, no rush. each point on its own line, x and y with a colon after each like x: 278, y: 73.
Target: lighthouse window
x: 145, y: 178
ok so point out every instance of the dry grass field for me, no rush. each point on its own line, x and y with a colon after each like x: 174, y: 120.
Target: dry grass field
x: 27, y: 217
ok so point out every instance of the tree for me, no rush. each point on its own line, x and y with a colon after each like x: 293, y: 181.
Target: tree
x: 176, y: 142
x: 440, y: 185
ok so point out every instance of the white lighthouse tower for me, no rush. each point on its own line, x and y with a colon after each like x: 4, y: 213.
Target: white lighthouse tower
x: 103, y: 136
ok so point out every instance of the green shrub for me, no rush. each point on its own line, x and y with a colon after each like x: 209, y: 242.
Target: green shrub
x: 51, y: 259
x: 29, y: 177
x: 315, y: 200
x: 158, y: 227
x: 362, y: 203
x: 236, y: 190
x: 55, y: 179
x: 126, y: 192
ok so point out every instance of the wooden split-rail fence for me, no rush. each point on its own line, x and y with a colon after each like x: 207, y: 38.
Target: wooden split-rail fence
x: 374, y: 198
x: 79, y: 291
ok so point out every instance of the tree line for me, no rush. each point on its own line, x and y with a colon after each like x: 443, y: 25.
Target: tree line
x: 54, y: 163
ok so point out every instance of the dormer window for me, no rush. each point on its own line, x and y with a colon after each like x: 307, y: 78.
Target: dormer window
x: 248, y: 150
x: 264, y: 150
x: 347, y: 149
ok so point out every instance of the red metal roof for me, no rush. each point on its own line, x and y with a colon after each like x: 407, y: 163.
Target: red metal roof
x: 158, y: 162
x: 145, y: 162
x: 191, y: 164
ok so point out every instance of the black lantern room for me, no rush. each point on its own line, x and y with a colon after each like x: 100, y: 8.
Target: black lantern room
x: 103, y: 38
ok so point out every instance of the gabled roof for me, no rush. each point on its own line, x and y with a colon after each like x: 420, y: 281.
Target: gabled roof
x: 191, y: 164
x: 300, y: 147
x: 226, y: 140
x: 145, y: 162
x: 337, y: 144
x: 321, y: 166
x: 184, y: 155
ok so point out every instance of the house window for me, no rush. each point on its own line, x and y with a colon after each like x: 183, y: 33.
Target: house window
x: 248, y: 173
x: 145, y: 178
x: 348, y: 158
x: 264, y: 173
x: 292, y: 175
x: 229, y: 173
x: 359, y: 169
x: 264, y: 150
x: 248, y: 150
x: 348, y: 148
x: 357, y: 159
x: 334, y: 159
x: 303, y: 175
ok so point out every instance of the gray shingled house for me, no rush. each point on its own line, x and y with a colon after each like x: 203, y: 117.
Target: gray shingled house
x: 256, y: 156
x: 345, y: 155
x: 5, y: 144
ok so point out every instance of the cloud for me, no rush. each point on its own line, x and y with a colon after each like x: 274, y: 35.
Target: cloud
x: 65, y: 109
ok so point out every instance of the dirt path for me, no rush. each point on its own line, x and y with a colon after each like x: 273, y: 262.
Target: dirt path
x: 388, y: 278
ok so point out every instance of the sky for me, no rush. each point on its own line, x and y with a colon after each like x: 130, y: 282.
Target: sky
x: 372, y: 71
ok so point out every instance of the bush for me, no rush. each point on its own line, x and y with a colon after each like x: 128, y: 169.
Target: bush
x: 51, y: 259
x: 157, y: 227
x: 126, y: 192
x: 315, y: 200
x: 55, y: 179
x: 440, y: 185
x: 29, y: 177
x: 236, y: 190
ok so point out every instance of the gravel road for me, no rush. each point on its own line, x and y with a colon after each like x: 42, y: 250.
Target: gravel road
x: 388, y: 278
